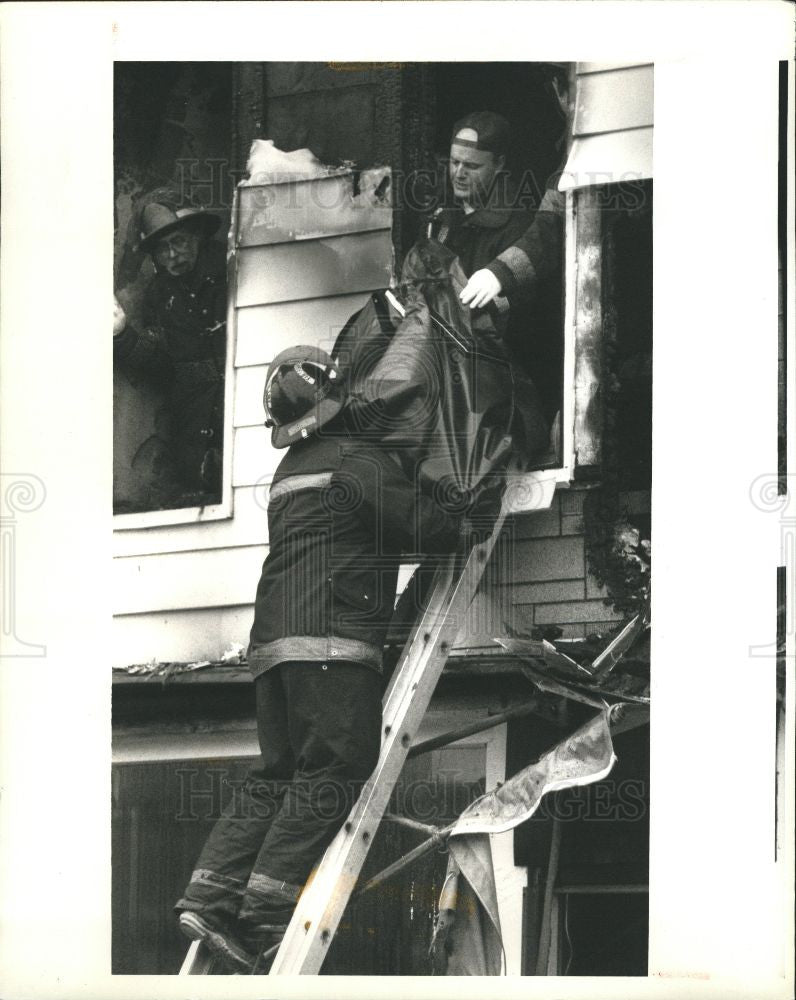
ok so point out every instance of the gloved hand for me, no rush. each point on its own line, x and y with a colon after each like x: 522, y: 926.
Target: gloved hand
x: 481, y: 289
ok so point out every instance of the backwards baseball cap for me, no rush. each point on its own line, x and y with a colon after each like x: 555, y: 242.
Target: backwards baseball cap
x: 492, y: 131
x: 304, y: 389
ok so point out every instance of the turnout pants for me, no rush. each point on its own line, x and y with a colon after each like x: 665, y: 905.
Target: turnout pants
x: 319, y: 728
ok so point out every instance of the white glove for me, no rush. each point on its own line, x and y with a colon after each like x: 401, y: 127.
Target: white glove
x: 119, y: 317
x: 481, y: 289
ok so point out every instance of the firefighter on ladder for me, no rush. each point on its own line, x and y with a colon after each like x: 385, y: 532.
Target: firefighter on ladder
x: 341, y: 511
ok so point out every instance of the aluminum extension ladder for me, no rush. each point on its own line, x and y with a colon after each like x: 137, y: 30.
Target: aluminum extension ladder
x: 321, y: 904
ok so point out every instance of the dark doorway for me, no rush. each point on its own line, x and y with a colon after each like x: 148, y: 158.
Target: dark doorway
x: 523, y: 94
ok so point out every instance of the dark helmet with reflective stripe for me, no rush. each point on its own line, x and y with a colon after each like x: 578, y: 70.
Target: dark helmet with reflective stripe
x: 304, y: 389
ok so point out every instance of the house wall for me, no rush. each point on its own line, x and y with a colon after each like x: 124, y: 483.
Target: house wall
x: 184, y: 592
x: 612, y: 128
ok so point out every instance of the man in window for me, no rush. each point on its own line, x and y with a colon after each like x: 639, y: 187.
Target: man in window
x: 485, y: 217
x: 528, y: 270
x: 183, y: 340
x: 341, y: 511
x: 511, y: 256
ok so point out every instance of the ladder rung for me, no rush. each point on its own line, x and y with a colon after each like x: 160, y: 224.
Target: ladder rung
x: 411, y: 824
x: 329, y: 888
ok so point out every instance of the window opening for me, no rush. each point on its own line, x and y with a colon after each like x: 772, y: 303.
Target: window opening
x: 533, y: 98
x: 171, y: 210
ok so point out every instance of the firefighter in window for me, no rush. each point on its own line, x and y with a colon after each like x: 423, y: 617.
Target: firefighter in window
x: 485, y: 217
x: 528, y: 270
x: 183, y: 340
x: 511, y: 257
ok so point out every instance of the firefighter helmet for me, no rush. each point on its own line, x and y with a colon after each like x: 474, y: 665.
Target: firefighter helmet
x: 304, y: 389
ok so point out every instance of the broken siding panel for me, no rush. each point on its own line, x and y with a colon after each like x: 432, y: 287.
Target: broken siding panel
x: 314, y: 268
x: 207, y: 578
x: 610, y: 102
x: 323, y: 206
x: 264, y: 331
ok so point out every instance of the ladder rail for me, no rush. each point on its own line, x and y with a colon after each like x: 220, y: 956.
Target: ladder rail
x: 197, y: 962
x: 325, y: 897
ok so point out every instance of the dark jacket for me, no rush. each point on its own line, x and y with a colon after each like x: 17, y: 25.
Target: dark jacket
x: 183, y: 342
x: 184, y: 318
x: 531, y: 277
x: 340, y: 514
x: 479, y: 237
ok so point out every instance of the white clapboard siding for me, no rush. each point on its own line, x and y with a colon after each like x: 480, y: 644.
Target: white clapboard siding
x: 264, y: 331
x: 300, y: 210
x: 249, y: 384
x: 609, y: 158
x: 313, y: 268
x: 248, y: 526
x: 187, y: 635
x: 615, y: 100
x: 612, y: 134
x: 181, y: 636
x: 207, y: 578
x: 185, y: 592
x: 254, y: 461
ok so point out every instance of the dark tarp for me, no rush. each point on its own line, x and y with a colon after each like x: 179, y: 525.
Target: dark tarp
x: 436, y: 384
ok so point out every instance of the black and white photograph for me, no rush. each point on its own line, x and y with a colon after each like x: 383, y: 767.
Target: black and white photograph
x: 333, y: 561
x: 340, y: 341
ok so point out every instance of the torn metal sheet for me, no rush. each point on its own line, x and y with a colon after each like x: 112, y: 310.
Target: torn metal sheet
x: 544, y: 650
x: 469, y: 926
x: 307, y: 209
x: 551, y: 686
x: 603, y: 664
x: 588, y: 692
x: 267, y: 164
x: 586, y: 756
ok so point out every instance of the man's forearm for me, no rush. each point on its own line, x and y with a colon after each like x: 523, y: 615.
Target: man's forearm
x: 536, y: 256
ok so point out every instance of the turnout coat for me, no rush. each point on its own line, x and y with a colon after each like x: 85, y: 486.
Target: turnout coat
x: 183, y: 342
x: 341, y: 512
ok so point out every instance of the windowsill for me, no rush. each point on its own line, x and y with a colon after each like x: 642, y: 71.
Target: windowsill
x: 167, y: 518
x: 529, y: 491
